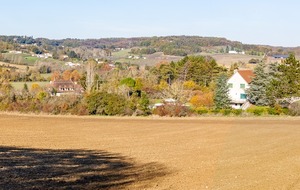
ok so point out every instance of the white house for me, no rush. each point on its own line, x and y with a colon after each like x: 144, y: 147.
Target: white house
x: 236, y: 52
x: 238, y: 83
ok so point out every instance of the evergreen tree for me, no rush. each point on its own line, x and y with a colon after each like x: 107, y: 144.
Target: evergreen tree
x: 227, y: 49
x: 143, y: 104
x: 25, y: 87
x: 202, y: 70
x: 272, y: 87
x: 72, y: 54
x: 221, y: 97
x: 257, y: 93
x: 289, y: 78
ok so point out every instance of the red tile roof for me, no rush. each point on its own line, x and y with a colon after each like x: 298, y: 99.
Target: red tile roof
x: 247, y: 75
x: 66, y: 86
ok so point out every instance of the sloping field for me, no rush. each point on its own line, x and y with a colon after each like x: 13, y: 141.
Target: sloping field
x: 21, y: 68
x: 228, y: 59
x: 50, y: 152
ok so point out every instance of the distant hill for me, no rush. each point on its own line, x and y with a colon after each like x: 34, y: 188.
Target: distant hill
x: 169, y: 45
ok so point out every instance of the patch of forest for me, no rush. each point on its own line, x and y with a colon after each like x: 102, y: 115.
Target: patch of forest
x: 169, y: 45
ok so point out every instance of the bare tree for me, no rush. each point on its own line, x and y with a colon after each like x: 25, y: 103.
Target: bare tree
x: 90, y: 71
x: 176, y: 91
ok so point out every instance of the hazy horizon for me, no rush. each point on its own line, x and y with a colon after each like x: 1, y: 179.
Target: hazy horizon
x: 263, y: 23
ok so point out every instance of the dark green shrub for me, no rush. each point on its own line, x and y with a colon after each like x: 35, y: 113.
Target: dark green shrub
x: 103, y: 103
x: 216, y: 111
x: 143, y: 105
x: 202, y: 111
x: 226, y: 112
x: 258, y: 110
x: 285, y: 111
x: 237, y: 112
x: 273, y: 111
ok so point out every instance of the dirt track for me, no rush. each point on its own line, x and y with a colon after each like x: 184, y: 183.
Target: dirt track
x: 116, y: 153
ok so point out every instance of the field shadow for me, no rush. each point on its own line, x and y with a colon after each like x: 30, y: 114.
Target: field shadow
x: 27, y: 168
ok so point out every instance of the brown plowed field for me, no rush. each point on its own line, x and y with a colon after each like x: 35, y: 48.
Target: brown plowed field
x: 50, y: 152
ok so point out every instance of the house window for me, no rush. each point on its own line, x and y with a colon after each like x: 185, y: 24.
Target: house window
x: 230, y: 85
x: 243, y: 96
x: 242, y: 85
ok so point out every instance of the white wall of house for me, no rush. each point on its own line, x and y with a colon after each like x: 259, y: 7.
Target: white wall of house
x: 233, y: 52
x: 237, y: 87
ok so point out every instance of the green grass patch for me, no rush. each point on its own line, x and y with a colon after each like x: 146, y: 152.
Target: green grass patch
x: 121, y: 54
x: 30, y: 60
x: 22, y: 59
x: 46, y: 75
x: 20, y: 85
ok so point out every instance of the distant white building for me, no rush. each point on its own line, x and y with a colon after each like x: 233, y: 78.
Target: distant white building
x: 238, y: 83
x: 44, y: 56
x: 15, y: 52
x: 47, y: 55
x: 70, y: 64
x: 65, y: 56
x: 233, y: 52
x: 236, y: 52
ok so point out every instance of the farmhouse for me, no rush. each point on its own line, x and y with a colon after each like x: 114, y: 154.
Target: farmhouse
x: 238, y: 83
x: 64, y: 87
x: 278, y: 56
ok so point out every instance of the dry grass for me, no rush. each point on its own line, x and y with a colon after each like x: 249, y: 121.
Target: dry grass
x: 228, y: 59
x: 151, y: 153
x: 21, y: 68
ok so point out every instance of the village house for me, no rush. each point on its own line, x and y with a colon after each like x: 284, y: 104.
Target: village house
x: 70, y: 64
x: 44, y: 56
x: 277, y: 58
x: 64, y: 87
x: 238, y: 83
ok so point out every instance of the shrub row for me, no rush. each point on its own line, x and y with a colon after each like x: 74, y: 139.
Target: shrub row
x: 172, y: 110
x: 103, y: 103
x: 254, y: 110
x: 27, y: 103
x: 225, y: 112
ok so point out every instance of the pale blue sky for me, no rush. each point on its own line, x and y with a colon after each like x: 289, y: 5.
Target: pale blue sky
x: 270, y: 22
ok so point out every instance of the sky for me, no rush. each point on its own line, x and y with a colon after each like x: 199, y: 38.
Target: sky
x: 267, y: 22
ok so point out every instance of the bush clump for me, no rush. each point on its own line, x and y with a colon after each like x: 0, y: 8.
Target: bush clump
x: 237, y: 112
x: 202, y: 111
x: 103, y: 103
x: 171, y: 110
x: 225, y: 112
x: 258, y: 110
x: 294, y: 109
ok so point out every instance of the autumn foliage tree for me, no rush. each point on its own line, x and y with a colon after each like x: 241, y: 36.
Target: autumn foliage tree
x: 75, y: 76
x: 67, y: 75
x: 55, y: 75
x: 203, y: 100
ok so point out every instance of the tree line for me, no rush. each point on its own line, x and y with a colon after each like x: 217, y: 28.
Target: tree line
x: 196, y: 83
x: 170, y: 45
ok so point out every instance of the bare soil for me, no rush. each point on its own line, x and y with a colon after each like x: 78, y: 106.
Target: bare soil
x: 50, y: 152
